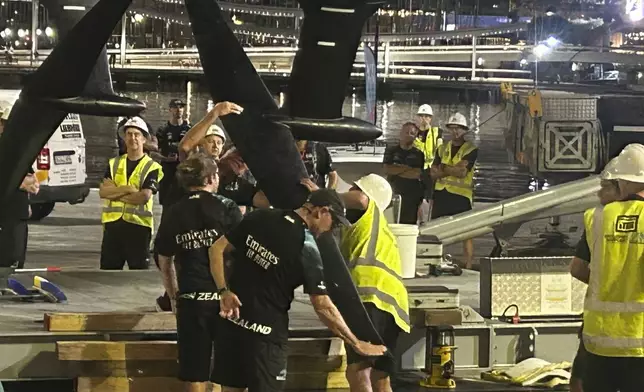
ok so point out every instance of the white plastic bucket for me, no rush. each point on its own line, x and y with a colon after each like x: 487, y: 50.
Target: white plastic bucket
x: 407, y: 236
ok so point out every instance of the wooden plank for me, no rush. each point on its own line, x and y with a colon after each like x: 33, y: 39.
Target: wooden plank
x: 169, y: 368
x: 128, y: 384
x: 294, y: 382
x: 110, y: 321
x: 318, y: 381
x: 103, y: 369
x: 435, y: 317
x: 164, y: 350
x: 116, y: 351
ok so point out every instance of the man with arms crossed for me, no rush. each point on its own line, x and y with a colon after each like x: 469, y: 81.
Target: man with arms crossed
x: 274, y: 252
x: 186, y: 232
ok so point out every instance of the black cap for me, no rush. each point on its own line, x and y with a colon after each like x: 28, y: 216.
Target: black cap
x: 330, y: 198
x: 176, y: 103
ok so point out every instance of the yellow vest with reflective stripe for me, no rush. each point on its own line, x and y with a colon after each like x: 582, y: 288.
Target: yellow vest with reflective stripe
x: 614, y: 306
x: 428, y: 147
x: 458, y: 186
x: 114, y: 210
x: 374, y: 260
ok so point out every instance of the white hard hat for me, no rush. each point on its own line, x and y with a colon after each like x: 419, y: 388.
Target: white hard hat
x: 377, y: 189
x: 627, y: 166
x: 5, y: 107
x: 138, y: 123
x: 216, y: 131
x: 425, y: 110
x: 458, y: 119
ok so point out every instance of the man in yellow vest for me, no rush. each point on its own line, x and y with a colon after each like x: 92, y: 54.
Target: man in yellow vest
x: 427, y: 141
x: 429, y: 138
x: 372, y: 252
x: 608, y: 193
x: 453, y: 171
x: 613, y: 243
x: 130, y: 182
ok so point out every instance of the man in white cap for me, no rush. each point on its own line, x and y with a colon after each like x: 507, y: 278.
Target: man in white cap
x: 128, y: 187
x: 206, y: 133
x: 453, y: 173
x: 427, y: 141
x: 429, y: 138
x: 371, y: 250
x: 612, y: 244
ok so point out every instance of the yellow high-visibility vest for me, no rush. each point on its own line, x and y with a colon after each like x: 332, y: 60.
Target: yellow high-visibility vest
x: 374, y: 260
x: 114, y: 210
x: 428, y: 146
x: 458, y: 186
x: 614, y: 306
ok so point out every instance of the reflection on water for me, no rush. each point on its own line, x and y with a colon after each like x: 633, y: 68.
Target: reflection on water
x: 496, y: 178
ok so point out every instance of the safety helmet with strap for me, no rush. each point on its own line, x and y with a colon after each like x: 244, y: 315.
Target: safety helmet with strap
x: 627, y: 166
x: 377, y: 189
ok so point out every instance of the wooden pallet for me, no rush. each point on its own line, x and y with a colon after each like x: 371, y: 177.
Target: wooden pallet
x: 141, y: 366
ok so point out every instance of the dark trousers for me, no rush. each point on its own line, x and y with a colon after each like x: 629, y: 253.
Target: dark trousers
x: 13, y: 244
x: 412, y: 196
x: 125, y: 242
x: 612, y: 374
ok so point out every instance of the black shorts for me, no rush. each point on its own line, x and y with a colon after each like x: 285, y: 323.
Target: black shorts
x: 388, y: 331
x: 578, y: 365
x: 243, y: 360
x: 448, y: 204
x: 196, y: 330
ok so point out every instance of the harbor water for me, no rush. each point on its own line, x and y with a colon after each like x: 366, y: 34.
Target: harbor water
x: 496, y: 177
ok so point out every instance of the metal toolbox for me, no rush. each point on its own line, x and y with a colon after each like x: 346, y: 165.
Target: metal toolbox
x: 429, y: 250
x: 538, y: 286
x: 432, y: 297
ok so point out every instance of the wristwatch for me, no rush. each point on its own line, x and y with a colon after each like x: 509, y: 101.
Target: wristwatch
x: 222, y: 290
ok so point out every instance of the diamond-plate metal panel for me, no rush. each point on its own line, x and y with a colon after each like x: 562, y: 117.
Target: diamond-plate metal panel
x: 569, y: 109
x: 539, y: 286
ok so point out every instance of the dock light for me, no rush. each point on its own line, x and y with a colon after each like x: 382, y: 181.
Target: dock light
x: 480, y: 61
x: 574, y: 67
x: 7, y: 32
x: 38, y: 32
x: 540, y: 50
x: 21, y: 33
x: 552, y: 41
x: 49, y: 32
x: 523, y: 62
x: 138, y: 18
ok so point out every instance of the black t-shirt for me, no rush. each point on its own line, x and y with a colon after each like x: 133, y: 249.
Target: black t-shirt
x: 274, y: 254
x: 186, y: 232
x: 168, y: 137
x: 150, y: 182
x: 414, y: 158
x: 318, y: 163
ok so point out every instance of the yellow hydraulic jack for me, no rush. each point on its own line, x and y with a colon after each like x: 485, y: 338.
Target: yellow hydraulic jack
x: 439, y: 360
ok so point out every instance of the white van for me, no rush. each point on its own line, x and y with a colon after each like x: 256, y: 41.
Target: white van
x: 60, y: 166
